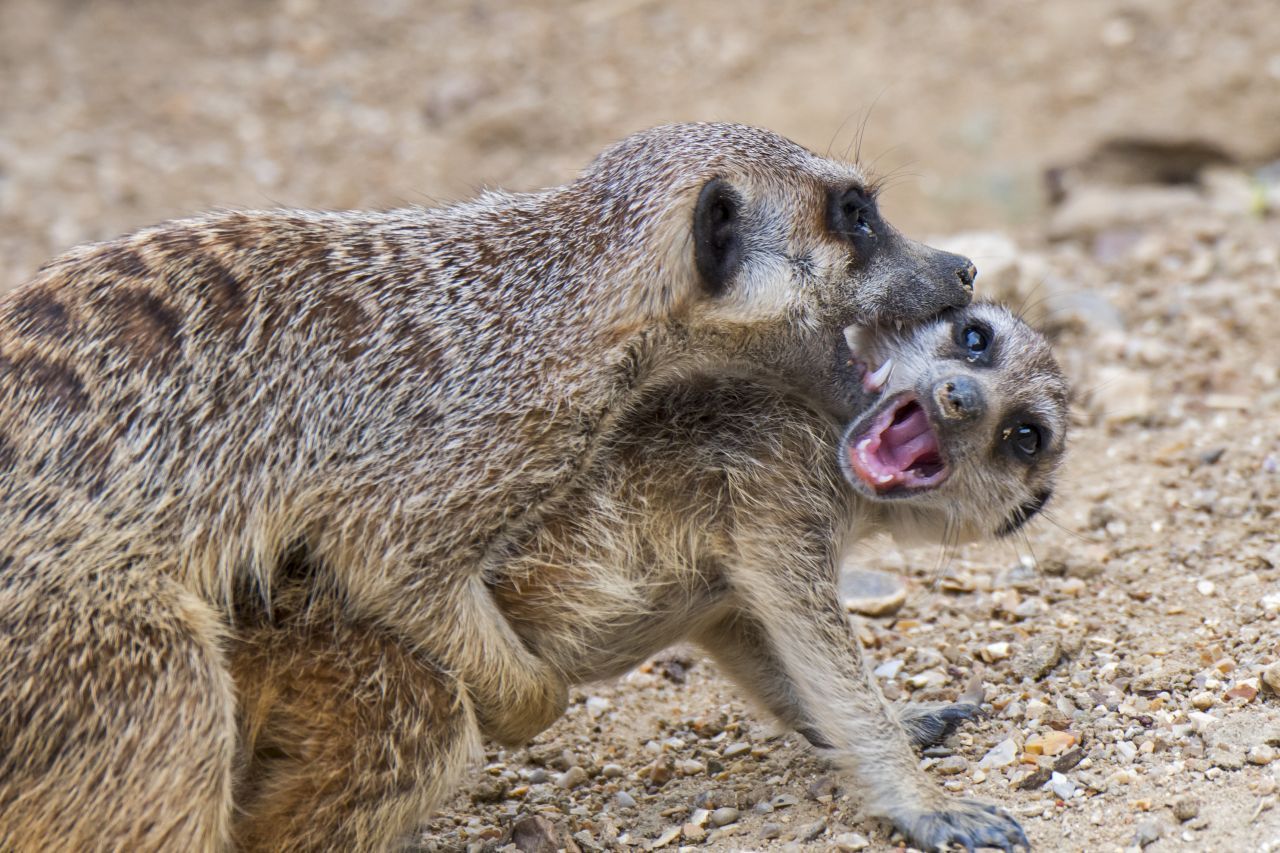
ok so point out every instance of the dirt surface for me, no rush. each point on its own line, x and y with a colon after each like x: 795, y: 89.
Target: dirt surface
x: 1132, y: 629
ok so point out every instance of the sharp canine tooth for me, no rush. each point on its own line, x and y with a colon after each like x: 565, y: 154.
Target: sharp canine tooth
x: 876, y: 380
x: 850, y: 335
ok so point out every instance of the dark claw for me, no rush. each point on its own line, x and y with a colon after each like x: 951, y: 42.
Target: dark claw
x: 929, y: 728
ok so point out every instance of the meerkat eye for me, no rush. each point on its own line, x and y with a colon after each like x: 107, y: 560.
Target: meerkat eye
x: 853, y: 214
x: 1026, y: 440
x: 975, y: 340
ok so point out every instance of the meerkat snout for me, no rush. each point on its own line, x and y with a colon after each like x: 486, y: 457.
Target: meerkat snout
x: 959, y: 398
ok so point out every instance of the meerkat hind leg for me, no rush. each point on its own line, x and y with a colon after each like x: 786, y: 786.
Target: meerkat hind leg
x: 349, y: 740
x: 106, y: 674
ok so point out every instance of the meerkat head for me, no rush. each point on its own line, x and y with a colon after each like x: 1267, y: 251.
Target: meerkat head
x: 749, y: 227
x: 964, y: 427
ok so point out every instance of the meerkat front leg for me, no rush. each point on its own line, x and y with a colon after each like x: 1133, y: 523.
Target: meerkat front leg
x: 789, y: 642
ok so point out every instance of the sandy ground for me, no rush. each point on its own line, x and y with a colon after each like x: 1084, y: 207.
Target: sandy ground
x: 1132, y: 629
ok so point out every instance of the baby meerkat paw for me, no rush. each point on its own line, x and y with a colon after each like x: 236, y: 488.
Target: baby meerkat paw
x: 968, y: 824
x: 930, y: 723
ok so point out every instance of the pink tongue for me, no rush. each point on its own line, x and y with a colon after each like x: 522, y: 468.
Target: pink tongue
x: 907, y: 440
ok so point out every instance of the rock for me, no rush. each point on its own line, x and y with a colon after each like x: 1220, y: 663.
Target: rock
x: 693, y: 832
x: 572, y: 778
x: 1038, y: 657
x: 1203, y: 700
x: 1062, y: 787
x: 1001, y: 755
x: 872, y: 593
x: 1271, y: 677
x: 850, y: 842
x: 597, y: 707
x: 995, y: 651
x: 1225, y: 756
x: 1262, y: 754
x: 724, y: 816
x: 1149, y: 831
x: 612, y: 771
x: 691, y: 767
x: 535, y: 835
x: 1053, y: 743
x: 667, y: 836
x: 811, y: 831
x: 1186, y: 808
x: 1068, y: 759
x: 1091, y: 209
x: 490, y: 789
x: 624, y: 800
x: 1034, y: 779
x: 733, y: 750
x: 951, y: 766
x: 782, y: 801
x: 770, y: 830
x: 890, y: 669
x: 661, y: 772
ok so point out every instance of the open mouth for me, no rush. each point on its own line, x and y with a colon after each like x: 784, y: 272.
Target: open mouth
x: 899, y: 450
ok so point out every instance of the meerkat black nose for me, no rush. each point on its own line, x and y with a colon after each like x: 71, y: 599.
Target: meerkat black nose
x: 959, y: 398
x: 966, y: 273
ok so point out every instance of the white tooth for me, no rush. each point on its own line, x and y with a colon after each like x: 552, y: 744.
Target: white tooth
x: 876, y: 380
x: 898, y: 323
x: 851, y: 337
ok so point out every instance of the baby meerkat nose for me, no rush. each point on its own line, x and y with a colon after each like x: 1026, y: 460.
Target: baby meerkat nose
x: 959, y: 398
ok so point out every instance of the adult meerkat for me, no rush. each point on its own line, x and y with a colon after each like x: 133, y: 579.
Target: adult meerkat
x: 399, y: 396
x: 718, y: 511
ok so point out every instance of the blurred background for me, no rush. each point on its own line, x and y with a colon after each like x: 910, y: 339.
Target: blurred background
x: 114, y: 115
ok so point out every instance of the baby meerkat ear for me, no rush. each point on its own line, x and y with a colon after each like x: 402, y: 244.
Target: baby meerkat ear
x: 717, y: 241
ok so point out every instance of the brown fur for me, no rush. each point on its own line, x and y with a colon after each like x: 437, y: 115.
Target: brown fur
x: 400, y: 395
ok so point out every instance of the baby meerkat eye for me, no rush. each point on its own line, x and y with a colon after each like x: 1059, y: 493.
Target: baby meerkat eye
x: 1026, y: 440
x: 975, y: 340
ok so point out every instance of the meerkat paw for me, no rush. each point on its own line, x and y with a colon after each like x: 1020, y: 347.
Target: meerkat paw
x: 930, y: 723
x: 965, y: 823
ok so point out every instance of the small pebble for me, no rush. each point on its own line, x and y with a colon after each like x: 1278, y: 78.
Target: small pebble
x: 1062, y: 787
x: 624, y: 800
x: 1149, y: 831
x: 733, y: 750
x: 871, y: 592
x: 770, y: 830
x: 811, y: 831
x: 951, y: 766
x: 1186, y: 808
x: 724, y: 816
x: 850, y: 842
x: 1262, y: 754
x: 612, y: 771
x: 1001, y: 755
x: 1203, y: 700
x: 572, y: 778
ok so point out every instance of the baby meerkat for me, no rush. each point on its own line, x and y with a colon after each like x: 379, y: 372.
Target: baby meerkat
x: 719, y: 511
x: 400, y: 398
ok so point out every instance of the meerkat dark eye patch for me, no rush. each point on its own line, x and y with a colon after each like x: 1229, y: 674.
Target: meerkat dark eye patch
x: 1024, y: 513
x: 717, y: 237
x: 852, y: 214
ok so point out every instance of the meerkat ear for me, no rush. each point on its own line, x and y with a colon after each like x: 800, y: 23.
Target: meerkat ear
x: 717, y: 238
